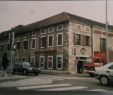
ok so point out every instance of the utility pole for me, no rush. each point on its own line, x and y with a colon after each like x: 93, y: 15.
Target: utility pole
x: 12, y: 38
x: 107, y: 51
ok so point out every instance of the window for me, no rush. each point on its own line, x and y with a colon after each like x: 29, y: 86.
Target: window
x: 33, y: 46
x: 60, y: 39
x: 50, y: 29
x: 86, y: 40
x: 25, y: 44
x: 18, y: 45
x: 42, y: 61
x: 43, y: 42
x: 43, y: 31
x: 50, y: 41
x: 111, y: 67
x: 32, y: 60
x: 50, y: 62
x: 102, y: 44
x: 33, y: 34
x: 59, y: 62
x: 59, y: 27
x: 78, y: 39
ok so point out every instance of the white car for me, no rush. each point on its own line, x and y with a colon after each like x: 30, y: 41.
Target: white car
x: 105, y: 74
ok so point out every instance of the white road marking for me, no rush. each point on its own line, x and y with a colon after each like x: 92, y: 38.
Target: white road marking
x: 97, y: 90
x: 64, y: 89
x: 42, y: 86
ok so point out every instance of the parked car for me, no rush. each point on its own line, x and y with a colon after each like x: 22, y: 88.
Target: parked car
x: 24, y: 68
x: 105, y: 74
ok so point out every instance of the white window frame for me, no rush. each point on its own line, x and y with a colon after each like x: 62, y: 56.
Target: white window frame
x: 34, y: 38
x: 40, y: 62
x: 53, y: 29
x: 33, y: 34
x: 62, y: 39
x: 33, y: 58
x: 45, y: 30
x: 18, y: 41
x: 41, y: 42
x: 57, y: 62
x: 52, y: 40
x: 48, y: 61
x: 61, y: 26
x: 23, y: 44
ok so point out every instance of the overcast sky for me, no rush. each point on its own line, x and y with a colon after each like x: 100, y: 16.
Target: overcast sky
x: 13, y: 13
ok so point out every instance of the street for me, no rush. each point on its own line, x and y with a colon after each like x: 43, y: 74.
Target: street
x: 48, y: 83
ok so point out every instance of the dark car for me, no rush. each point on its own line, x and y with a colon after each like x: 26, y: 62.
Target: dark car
x: 24, y: 68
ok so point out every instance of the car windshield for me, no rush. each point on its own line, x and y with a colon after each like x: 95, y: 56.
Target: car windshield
x: 108, y: 65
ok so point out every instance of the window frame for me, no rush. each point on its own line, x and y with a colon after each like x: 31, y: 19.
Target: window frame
x: 48, y: 61
x: 61, y: 56
x: 52, y: 40
x: 34, y: 38
x: 43, y: 62
x: 80, y: 39
x: 58, y: 40
x: 59, y: 29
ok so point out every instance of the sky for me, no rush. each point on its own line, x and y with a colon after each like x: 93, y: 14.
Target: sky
x: 14, y: 13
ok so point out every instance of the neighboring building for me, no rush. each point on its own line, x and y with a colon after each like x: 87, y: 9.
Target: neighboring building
x: 57, y: 42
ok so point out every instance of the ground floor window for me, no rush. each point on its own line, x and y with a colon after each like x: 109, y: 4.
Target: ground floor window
x: 42, y: 61
x: 50, y: 62
x: 32, y: 60
x: 59, y: 62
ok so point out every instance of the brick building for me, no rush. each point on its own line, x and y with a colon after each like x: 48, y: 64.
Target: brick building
x: 55, y: 43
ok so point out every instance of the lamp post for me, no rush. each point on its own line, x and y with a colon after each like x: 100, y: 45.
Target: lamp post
x: 107, y: 51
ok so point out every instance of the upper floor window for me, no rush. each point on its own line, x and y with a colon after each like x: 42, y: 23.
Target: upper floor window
x: 18, y: 45
x: 78, y: 39
x: 25, y: 44
x: 50, y: 29
x: 102, y: 44
x: 86, y: 40
x: 33, y: 44
x: 50, y: 41
x: 43, y: 42
x: 43, y: 31
x: 60, y: 39
x: 33, y: 34
x: 59, y: 27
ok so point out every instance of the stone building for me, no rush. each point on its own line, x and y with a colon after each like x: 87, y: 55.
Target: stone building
x: 55, y: 43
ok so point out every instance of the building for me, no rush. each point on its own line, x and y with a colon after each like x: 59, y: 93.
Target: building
x: 55, y: 43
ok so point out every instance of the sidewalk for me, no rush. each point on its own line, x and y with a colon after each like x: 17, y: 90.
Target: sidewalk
x: 64, y: 73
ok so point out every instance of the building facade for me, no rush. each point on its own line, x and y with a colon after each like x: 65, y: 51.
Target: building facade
x: 58, y: 42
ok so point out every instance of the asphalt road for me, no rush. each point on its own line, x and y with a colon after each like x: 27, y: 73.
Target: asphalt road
x: 54, y: 85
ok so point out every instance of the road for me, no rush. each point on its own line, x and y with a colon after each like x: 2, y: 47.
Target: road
x: 47, y: 84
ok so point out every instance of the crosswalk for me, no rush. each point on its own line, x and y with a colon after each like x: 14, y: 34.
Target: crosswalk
x: 58, y: 87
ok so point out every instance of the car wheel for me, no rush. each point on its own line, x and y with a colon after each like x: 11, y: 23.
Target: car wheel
x: 104, y: 80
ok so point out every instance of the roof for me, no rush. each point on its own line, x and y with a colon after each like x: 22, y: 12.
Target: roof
x: 59, y: 18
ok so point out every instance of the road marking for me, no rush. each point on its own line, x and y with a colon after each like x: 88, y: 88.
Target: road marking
x: 42, y: 86
x: 97, y: 90
x: 64, y: 89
